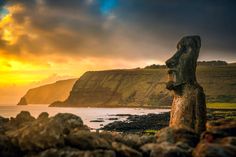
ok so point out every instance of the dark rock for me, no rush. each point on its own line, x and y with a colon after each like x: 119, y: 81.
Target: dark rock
x: 44, y: 134
x: 131, y: 140
x: 43, y: 116
x: 134, y: 140
x: 97, y: 120
x: 214, y: 150
x: 164, y: 150
x: 169, y: 151
x: 123, y: 115
x: 139, y: 123
x: 3, y: 120
x: 174, y: 135
x: 69, y: 121
x: 3, y: 123
x: 222, y: 127
x: 21, y: 119
x: 228, y: 141
x: 124, y: 151
x: 147, y: 148
x: 7, y: 149
x: 112, y: 118
x: 86, y: 140
x: 39, y: 135
x: 70, y: 152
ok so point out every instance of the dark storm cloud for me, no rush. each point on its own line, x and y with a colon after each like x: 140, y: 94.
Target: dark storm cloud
x: 128, y: 28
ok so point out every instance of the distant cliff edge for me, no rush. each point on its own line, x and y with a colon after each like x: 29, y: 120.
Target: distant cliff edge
x: 145, y: 87
x: 48, y: 94
x: 130, y: 88
x: 114, y: 88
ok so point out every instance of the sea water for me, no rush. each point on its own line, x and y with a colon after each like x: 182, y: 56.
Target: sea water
x: 87, y: 114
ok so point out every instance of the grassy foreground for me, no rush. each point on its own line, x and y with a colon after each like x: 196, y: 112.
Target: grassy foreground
x: 221, y: 105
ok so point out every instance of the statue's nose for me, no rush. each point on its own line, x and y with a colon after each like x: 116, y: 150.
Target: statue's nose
x: 170, y: 63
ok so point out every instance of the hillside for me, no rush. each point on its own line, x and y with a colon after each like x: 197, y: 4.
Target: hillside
x: 48, y: 93
x: 146, y: 87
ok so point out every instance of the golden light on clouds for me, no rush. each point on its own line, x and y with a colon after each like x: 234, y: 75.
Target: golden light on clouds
x: 10, y: 31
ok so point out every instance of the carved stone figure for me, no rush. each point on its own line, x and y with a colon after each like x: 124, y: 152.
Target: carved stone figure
x: 189, y: 106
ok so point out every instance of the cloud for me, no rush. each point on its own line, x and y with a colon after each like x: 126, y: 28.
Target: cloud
x: 125, y: 29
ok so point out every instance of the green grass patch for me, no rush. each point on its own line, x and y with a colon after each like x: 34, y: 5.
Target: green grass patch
x: 150, y: 131
x: 221, y: 105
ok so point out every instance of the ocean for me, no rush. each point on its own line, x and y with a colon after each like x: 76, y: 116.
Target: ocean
x: 86, y: 113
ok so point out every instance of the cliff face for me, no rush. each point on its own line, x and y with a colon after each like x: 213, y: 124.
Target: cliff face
x: 119, y: 88
x: 145, y: 87
x: 48, y: 93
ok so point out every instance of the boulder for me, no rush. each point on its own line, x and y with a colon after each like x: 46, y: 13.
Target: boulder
x: 85, y: 140
x: 214, y: 150
x: 70, y: 152
x: 69, y: 121
x: 7, y: 149
x: 174, y: 135
x: 222, y: 127
x: 134, y: 140
x: 124, y: 151
x: 45, y: 133
x: 3, y: 123
x: 164, y: 149
x: 43, y: 116
x: 21, y: 119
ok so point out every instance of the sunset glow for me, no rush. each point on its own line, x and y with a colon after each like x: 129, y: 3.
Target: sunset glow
x: 41, y: 39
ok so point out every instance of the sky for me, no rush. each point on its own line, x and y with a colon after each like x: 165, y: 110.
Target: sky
x: 42, y: 41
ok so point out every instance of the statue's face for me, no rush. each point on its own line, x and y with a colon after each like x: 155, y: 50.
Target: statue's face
x: 182, y: 66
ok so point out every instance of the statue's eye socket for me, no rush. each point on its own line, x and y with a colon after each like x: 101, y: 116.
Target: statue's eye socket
x: 184, y: 49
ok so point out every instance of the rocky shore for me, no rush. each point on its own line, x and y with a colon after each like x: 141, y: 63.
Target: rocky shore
x: 136, y: 123
x: 65, y: 135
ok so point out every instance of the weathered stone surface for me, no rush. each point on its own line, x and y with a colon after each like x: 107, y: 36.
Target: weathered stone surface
x: 222, y: 127
x: 124, y: 151
x: 219, y: 140
x: 86, y: 140
x: 228, y: 141
x: 70, y: 152
x: 140, y: 123
x: 3, y: 122
x: 174, y: 135
x: 69, y: 121
x: 45, y: 133
x: 7, y: 149
x: 164, y: 150
x: 214, y: 150
x: 43, y: 116
x: 23, y: 118
x: 188, y: 107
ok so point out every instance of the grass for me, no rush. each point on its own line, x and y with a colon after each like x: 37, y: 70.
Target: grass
x: 221, y: 105
x: 151, y: 132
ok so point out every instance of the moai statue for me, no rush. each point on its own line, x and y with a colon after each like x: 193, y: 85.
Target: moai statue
x: 189, y: 105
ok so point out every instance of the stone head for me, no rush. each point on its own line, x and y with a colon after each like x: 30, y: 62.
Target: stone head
x: 182, y: 65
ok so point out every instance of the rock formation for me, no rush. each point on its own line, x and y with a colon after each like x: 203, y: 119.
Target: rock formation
x: 136, y: 87
x: 189, y: 106
x: 48, y: 93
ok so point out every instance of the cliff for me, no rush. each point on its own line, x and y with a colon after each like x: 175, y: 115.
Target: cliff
x: 48, y: 93
x: 119, y: 88
x: 145, y: 87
